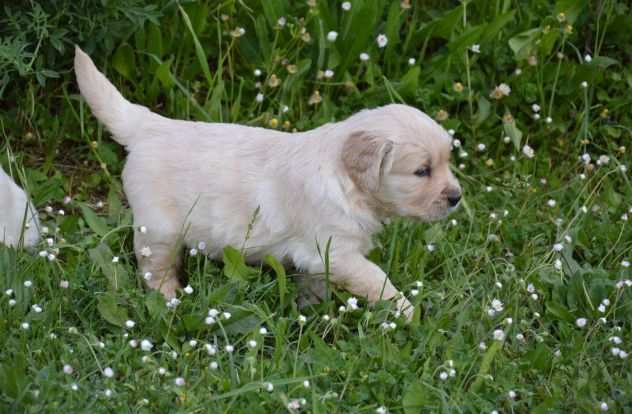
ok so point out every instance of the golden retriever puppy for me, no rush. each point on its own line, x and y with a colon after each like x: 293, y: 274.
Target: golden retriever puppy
x: 191, y: 182
x: 18, y: 217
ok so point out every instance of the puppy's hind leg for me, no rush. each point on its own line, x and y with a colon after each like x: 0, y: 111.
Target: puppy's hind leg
x: 159, y: 258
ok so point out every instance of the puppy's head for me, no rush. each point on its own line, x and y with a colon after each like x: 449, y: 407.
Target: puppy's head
x: 400, y: 158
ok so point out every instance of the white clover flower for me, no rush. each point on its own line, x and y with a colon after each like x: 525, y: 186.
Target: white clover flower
x: 209, y: 320
x: 210, y: 349
x: 364, y: 56
x: 229, y: 348
x: 603, y: 406
x: 482, y: 346
x: 193, y: 252
x: 452, y: 372
x: 557, y: 264
x: 268, y: 386
x: 346, y: 5
x: 587, y: 58
x: 342, y: 309
x: 25, y: 326
x: 252, y: 343
x: 130, y: 323
x: 64, y: 284
x: 173, y: 303
x: 551, y: 203
x: 456, y: 143
x: 352, y: 303
x: 509, y: 321
x: 162, y: 371
x: 293, y: 405
x: 43, y: 253
x: 615, y: 340
x: 520, y: 337
x: 601, y: 308
x: 108, y: 372
x: 518, y: 72
x: 146, y: 345
x: 326, y: 318
x: 213, y: 365
x: 188, y: 289
x: 381, y: 410
x: 535, y: 107
x: 37, y: 308
x: 259, y: 97
x: 499, y: 335
x: 411, y: 61
x: 581, y: 322
x: 329, y: 73
x: 623, y: 354
x: 108, y: 393
x: 512, y: 395
x: 548, y: 120
x: 606, y: 302
x: 28, y: 283
x: 491, y: 312
x: 475, y: 48
x: 528, y: 151
x: 414, y: 292
x: 115, y: 259
x: 558, y: 247
x: 332, y: 36
x: 430, y: 247
x: 443, y: 375
x: 133, y: 343
x: 497, y: 305
x: 68, y: 369
x: 67, y: 200
x: 625, y: 263
x: 74, y: 387
x: 179, y: 382
x: 263, y: 330
x: 481, y: 147
x: 226, y: 315
x: 584, y: 84
x: 193, y: 343
x: 381, y: 40
x: 257, y: 72
x: 282, y: 21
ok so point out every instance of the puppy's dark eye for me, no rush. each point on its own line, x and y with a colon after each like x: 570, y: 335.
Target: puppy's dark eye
x: 423, y: 172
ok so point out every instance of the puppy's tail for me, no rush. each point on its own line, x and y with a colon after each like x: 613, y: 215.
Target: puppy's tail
x: 121, y: 117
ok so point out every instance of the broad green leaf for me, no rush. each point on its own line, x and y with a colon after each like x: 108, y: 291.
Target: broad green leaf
x: 111, y: 311
x: 154, y: 40
x: 414, y: 398
x: 483, y: 111
x: 409, y: 82
x: 234, y: 265
x: 492, y: 29
x: 444, y: 26
x: 523, y: 43
x: 559, y: 311
x: 97, y: 224
x: 124, y: 61
x: 486, y: 365
x: 512, y: 131
x: 281, y: 277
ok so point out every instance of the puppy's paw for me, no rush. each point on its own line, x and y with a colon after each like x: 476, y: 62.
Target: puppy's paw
x: 169, y: 288
x: 404, y: 307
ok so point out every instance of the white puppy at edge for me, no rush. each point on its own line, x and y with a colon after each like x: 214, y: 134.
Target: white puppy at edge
x: 18, y: 217
x: 194, y: 181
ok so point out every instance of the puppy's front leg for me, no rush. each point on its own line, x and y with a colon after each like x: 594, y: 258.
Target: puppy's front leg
x: 159, y: 262
x: 364, y: 278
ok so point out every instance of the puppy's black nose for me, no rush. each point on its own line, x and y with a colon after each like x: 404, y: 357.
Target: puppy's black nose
x: 454, y: 199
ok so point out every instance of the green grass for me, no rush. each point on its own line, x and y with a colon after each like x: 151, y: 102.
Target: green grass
x: 182, y: 61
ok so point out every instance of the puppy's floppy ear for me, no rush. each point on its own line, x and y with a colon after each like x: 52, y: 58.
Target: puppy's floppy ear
x: 364, y: 157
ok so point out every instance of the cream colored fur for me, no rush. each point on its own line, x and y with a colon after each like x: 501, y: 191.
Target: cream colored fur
x: 194, y: 181
x: 18, y: 217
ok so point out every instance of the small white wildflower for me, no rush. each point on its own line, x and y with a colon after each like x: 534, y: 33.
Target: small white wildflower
x: 209, y: 320
x: 603, y: 406
x: 188, y: 289
x: 252, y: 343
x: 512, y: 394
x: 108, y: 372
x: 475, y: 48
x: 210, y: 349
x: 342, y: 309
x: 381, y: 40
x: 37, y: 308
x: 329, y: 73
x: 146, y: 345
x: 332, y: 36
x: 557, y: 264
x: 520, y: 337
x: 115, y: 259
x: 282, y: 21
x: 108, y: 393
x: 606, y: 302
x: 74, y: 387
x: 364, y: 56
x: 528, y: 151
x: 430, y: 247
x: 259, y: 97
x: 193, y: 343
x: 352, y: 303
x: 213, y: 365
x: 615, y: 340
x: 508, y: 321
x: 623, y: 354
x: 534, y: 296
x: 456, y: 143
x: 133, y: 343
x: 581, y: 322
x: 68, y: 369
x: 497, y: 305
x: 625, y: 263
x: 414, y: 292
x: 499, y: 335
x: 584, y: 84
x: 263, y: 330
x: 229, y: 348
x: 130, y: 323
x: 28, y: 283
x: 411, y: 61
x: 162, y: 371
x: 443, y: 375
x: 551, y: 203
x: 548, y: 120
x: 558, y: 247
x: 179, y: 381
x: 481, y: 147
x: 587, y: 58
x: 226, y: 315
x: 64, y: 284
x: 346, y: 5
x: 482, y: 346
x: 268, y: 386
x: 381, y: 410
x: 535, y: 107
x: 257, y: 72
x: 601, y: 308
x: 193, y: 252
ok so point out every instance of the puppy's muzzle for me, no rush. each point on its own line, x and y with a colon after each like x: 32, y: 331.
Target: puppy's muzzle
x: 453, y: 195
